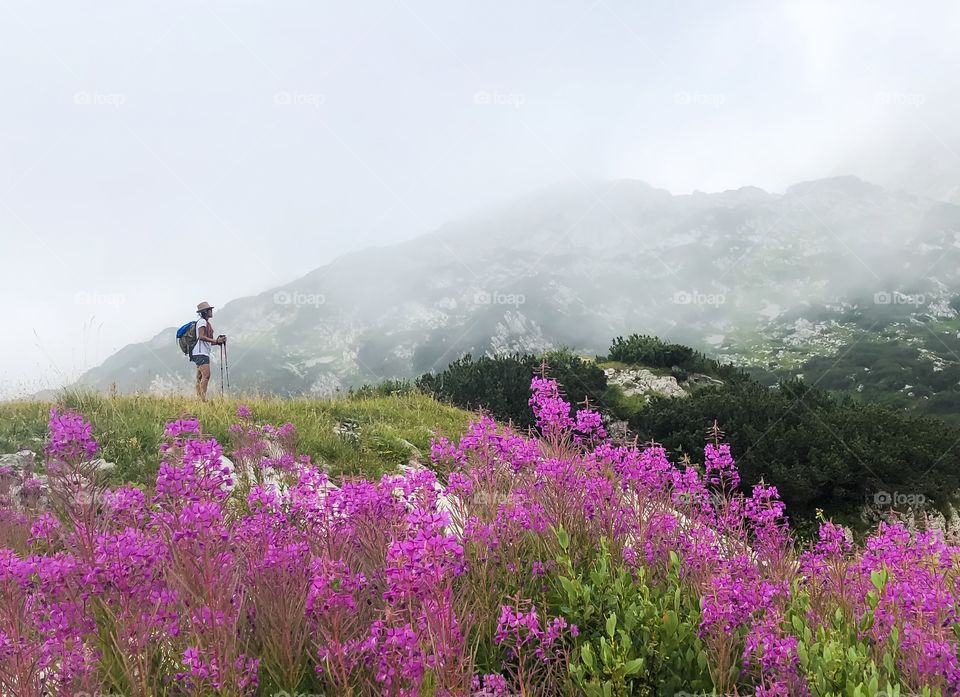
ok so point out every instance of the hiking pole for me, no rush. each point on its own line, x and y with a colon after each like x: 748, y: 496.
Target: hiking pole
x: 226, y: 363
x: 221, y: 370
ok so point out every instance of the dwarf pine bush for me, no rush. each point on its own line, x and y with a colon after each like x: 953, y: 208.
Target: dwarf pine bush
x: 550, y: 563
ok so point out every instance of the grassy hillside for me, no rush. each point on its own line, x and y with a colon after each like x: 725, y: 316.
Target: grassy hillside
x: 129, y: 428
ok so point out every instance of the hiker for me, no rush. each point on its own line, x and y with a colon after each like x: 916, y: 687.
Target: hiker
x: 201, y: 351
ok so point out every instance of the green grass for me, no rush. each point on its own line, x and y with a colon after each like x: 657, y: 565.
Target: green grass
x: 620, y: 404
x: 129, y: 429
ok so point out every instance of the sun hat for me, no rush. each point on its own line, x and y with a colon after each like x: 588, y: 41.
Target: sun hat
x: 204, y: 306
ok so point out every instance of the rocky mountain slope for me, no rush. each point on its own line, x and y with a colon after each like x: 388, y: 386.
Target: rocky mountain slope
x: 759, y: 278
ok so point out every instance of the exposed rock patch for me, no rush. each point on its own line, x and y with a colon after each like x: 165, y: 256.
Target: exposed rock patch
x: 643, y: 383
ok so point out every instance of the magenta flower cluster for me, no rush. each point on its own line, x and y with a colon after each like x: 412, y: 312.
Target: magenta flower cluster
x: 263, y: 575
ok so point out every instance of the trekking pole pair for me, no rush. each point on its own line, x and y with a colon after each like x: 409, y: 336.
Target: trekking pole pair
x: 224, y: 364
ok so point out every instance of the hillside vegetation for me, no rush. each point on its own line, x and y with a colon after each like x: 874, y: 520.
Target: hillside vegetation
x: 365, y: 434
x: 821, y: 450
x: 554, y: 564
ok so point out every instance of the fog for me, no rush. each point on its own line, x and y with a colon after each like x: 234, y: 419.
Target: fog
x: 156, y: 155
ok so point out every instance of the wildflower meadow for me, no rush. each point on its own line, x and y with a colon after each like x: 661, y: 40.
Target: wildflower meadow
x: 554, y: 562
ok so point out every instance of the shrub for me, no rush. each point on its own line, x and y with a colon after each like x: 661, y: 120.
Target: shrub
x: 820, y: 451
x: 500, y: 385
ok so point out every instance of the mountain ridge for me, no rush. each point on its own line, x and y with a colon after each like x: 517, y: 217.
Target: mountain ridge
x: 574, y: 265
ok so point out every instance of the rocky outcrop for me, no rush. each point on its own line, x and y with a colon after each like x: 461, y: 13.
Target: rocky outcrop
x: 701, y: 380
x: 23, y: 479
x: 641, y: 382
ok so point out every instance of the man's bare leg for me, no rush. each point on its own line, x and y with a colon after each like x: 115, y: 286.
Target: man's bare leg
x: 199, y: 376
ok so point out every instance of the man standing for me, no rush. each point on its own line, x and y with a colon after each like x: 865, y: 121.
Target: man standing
x: 201, y: 351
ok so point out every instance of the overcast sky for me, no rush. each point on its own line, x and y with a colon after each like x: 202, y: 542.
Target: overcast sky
x: 156, y: 154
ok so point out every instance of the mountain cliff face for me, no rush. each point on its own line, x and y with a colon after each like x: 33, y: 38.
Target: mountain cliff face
x: 756, y: 277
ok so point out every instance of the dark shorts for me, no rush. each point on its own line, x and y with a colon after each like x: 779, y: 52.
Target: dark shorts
x: 200, y: 360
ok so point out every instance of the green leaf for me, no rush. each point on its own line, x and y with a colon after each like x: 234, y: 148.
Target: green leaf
x: 670, y: 622
x: 606, y: 653
x: 633, y: 667
x: 586, y: 655
x: 802, y: 654
x: 611, y: 625
x: 889, y: 663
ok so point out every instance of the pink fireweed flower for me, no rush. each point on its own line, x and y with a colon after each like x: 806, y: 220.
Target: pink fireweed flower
x: 46, y: 529
x: 197, y: 667
x: 129, y: 561
x: 588, y: 427
x: 490, y: 685
x: 32, y: 486
x: 523, y: 631
x: 243, y: 412
x: 200, y: 520
x: 690, y: 490
x: 399, y: 658
x: 126, y: 505
x: 459, y: 484
x: 648, y: 468
x: 734, y: 593
x: 552, y: 412
x: 202, y: 474
x: 773, y: 654
x: 764, y: 507
x: 518, y: 626
x: 333, y: 585
x: 70, y: 439
x: 182, y: 427
x: 720, y: 467
x: 425, y: 561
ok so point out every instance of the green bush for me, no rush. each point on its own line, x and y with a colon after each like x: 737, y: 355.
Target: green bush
x: 819, y: 450
x: 501, y: 385
x: 635, y: 638
x: 653, y: 352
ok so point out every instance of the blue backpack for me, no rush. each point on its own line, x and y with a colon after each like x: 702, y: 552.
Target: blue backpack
x: 187, y: 337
